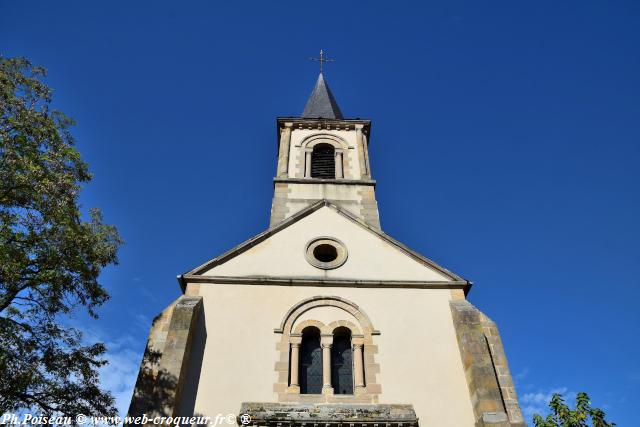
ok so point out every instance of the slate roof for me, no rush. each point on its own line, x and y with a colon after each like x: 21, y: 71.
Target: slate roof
x: 321, y: 103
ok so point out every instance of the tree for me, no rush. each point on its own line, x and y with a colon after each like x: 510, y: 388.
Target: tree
x: 50, y: 258
x: 562, y: 416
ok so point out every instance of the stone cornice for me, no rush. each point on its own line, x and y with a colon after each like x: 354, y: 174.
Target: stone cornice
x: 342, y: 283
x: 326, y: 181
x: 322, y: 124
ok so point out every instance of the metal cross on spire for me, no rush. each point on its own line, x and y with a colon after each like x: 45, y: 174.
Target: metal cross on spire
x: 321, y: 59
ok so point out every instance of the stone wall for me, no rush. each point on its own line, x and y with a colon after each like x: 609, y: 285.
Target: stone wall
x: 291, y: 196
x: 491, y: 387
x: 163, y: 371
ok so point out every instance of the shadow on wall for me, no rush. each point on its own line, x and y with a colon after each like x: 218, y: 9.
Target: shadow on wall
x: 154, y: 390
x: 159, y: 392
x: 194, y: 367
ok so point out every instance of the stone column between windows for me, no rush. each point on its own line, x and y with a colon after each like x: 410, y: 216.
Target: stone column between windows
x: 339, y: 167
x: 358, y: 368
x: 326, y: 341
x: 307, y: 163
x: 295, y: 341
x: 295, y: 360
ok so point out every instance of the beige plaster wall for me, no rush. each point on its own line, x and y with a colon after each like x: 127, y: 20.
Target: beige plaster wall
x: 370, y: 258
x: 417, y: 349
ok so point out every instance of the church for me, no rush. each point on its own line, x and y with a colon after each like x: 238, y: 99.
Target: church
x: 323, y: 319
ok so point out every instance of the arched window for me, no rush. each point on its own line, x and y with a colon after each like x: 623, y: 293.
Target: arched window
x: 310, y: 361
x: 342, y: 362
x: 323, y: 162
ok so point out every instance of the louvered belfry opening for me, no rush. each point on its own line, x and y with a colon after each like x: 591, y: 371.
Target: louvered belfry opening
x: 323, y: 162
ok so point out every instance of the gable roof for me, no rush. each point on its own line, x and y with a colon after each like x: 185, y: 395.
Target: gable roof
x: 321, y: 103
x: 198, y: 273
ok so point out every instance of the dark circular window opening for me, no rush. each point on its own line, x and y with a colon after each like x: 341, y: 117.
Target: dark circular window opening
x: 325, y: 253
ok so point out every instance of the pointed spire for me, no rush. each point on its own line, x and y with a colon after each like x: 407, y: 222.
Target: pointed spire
x: 321, y: 103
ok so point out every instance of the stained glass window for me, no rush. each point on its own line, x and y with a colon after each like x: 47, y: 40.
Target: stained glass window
x: 342, y: 362
x: 310, y: 362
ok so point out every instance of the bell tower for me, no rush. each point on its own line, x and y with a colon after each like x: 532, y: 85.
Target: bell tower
x: 323, y: 155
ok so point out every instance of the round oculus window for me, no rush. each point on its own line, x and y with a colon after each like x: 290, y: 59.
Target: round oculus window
x: 326, y: 253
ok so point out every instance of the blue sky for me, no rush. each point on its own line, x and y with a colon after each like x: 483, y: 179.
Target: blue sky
x: 505, y: 142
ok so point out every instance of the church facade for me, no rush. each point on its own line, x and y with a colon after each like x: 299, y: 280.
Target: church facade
x: 323, y: 319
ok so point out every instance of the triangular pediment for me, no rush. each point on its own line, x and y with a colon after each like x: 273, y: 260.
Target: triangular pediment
x: 281, y: 254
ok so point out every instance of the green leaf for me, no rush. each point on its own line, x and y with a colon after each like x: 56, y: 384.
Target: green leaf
x: 50, y: 259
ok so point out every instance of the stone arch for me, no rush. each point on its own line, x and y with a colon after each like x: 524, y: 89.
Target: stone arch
x: 365, y: 368
x: 309, y: 322
x: 327, y: 138
x: 331, y: 327
x: 318, y: 301
x: 341, y: 152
